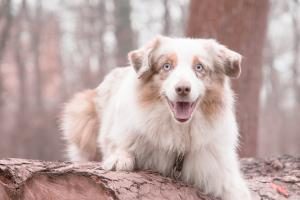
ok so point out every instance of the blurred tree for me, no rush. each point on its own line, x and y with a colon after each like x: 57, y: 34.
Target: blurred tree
x: 280, y: 112
x: 296, y: 50
x: 241, y: 25
x: 102, y: 55
x: 5, y: 26
x: 18, y: 47
x: 295, y: 117
x: 36, y: 29
x: 91, y: 26
x: 271, y: 108
x: 167, y: 18
x: 123, y: 31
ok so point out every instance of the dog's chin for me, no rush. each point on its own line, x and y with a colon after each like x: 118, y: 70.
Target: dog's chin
x: 182, y: 110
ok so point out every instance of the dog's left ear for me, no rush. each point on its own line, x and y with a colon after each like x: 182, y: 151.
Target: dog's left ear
x: 140, y: 59
x: 230, y: 60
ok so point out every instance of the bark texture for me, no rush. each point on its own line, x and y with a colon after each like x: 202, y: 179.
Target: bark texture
x: 29, y: 179
x: 240, y: 25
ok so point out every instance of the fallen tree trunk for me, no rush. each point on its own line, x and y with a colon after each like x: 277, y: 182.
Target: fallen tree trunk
x: 30, y: 179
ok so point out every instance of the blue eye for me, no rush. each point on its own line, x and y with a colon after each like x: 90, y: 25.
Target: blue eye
x: 167, y: 66
x: 199, y: 67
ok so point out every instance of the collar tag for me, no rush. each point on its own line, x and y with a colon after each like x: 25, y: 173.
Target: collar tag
x: 178, y: 165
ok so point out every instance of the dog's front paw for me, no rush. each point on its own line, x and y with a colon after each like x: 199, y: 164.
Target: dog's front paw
x: 119, y: 162
x: 243, y: 194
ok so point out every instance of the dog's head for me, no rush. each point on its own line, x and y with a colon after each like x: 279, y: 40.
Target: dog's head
x: 183, y: 71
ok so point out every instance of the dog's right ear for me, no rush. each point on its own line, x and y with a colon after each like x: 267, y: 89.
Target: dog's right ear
x: 140, y: 59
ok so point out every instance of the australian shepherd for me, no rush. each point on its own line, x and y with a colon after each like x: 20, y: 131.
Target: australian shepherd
x: 170, y: 111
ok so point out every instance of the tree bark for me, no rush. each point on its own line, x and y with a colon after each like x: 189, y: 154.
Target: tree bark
x: 29, y: 179
x: 241, y: 25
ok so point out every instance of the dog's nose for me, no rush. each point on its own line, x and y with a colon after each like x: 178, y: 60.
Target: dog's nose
x: 183, y: 88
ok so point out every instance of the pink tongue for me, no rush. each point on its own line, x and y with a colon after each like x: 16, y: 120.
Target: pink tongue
x: 183, y: 110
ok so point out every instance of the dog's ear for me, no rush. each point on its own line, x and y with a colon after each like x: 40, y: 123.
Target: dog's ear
x: 230, y: 60
x: 140, y: 59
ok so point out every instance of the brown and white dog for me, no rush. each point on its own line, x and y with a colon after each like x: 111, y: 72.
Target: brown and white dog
x: 175, y: 99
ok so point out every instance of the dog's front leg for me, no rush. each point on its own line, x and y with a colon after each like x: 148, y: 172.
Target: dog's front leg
x: 116, y: 154
x: 217, y: 173
x: 234, y: 185
x: 120, y: 160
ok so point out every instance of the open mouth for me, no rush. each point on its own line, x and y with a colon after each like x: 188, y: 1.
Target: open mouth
x: 182, y: 110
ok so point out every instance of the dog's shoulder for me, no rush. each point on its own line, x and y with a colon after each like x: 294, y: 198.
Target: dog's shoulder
x: 112, y: 89
x: 113, y: 80
x: 116, y: 75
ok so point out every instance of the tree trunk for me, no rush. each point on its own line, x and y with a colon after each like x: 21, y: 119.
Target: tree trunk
x: 123, y: 31
x: 20, y: 61
x: 102, y: 58
x: 36, y: 46
x: 29, y: 179
x: 19, y: 55
x: 241, y: 25
x: 167, y: 17
x: 272, y: 118
x: 7, y: 17
x: 296, y: 60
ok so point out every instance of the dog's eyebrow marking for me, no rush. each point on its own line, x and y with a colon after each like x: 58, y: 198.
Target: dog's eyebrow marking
x: 170, y: 58
x: 197, y: 60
